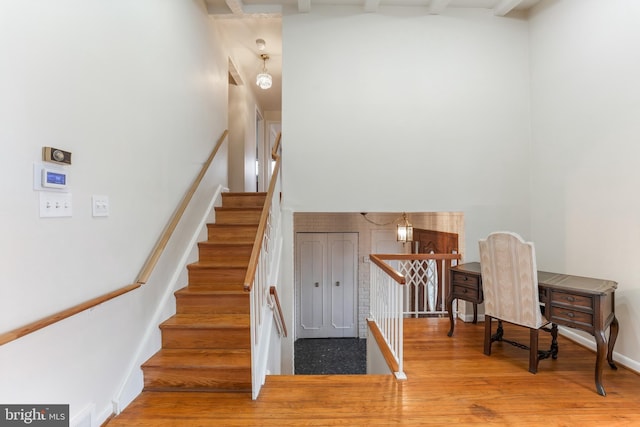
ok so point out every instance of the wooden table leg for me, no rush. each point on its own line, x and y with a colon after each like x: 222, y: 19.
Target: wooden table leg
x: 449, y: 305
x: 613, y: 335
x: 601, y: 345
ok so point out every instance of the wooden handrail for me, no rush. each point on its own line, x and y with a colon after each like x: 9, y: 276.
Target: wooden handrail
x: 39, y: 324
x: 386, y: 351
x: 415, y: 257
x: 276, y: 148
x: 262, y: 225
x: 142, y: 277
x: 399, y: 278
x: 162, y: 242
x: 274, y: 294
x: 378, y: 259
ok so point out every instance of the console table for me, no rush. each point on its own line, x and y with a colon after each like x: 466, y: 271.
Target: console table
x: 577, y: 302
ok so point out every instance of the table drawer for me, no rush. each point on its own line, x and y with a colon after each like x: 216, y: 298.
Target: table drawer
x: 468, y: 293
x: 571, y: 300
x: 570, y: 317
x: 464, y: 279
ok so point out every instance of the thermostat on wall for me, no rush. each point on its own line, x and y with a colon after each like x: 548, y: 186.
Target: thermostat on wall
x: 54, y: 178
x: 50, y: 177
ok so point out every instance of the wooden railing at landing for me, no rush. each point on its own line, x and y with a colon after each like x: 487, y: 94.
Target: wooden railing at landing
x: 144, y: 274
x: 278, y: 313
x: 388, y: 298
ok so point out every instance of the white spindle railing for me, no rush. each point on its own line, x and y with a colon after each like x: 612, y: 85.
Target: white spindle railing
x: 426, y: 287
x: 386, y: 310
x: 391, y: 296
x: 265, y: 261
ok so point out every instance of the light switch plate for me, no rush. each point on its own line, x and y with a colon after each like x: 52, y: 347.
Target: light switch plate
x: 100, y: 205
x: 55, y: 205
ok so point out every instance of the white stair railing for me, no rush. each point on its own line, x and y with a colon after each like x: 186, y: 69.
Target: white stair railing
x: 261, y: 274
x: 385, y: 298
x: 391, y: 293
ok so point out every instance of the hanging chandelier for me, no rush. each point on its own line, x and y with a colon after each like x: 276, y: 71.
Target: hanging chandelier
x: 264, y: 79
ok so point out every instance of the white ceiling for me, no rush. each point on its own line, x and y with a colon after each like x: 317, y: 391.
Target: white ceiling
x: 244, y: 21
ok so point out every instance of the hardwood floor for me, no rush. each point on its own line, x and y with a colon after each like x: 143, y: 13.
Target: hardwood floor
x: 450, y: 382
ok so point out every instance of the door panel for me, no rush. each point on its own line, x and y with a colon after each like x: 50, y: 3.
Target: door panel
x: 311, y: 284
x: 327, y: 266
x: 342, y: 285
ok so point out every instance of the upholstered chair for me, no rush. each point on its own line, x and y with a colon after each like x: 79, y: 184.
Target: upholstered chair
x: 510, y: 286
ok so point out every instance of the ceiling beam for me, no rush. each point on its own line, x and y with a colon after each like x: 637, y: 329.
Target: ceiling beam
x: 240, y: 10
x: 304, y: 6
x: 371, y: 5
x: 505, y: 6
x: 437, y: 6
x: 235, y: 6
x: 235, y: 74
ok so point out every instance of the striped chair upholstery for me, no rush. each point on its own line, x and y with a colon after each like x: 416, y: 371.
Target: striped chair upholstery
x: 510, y: 286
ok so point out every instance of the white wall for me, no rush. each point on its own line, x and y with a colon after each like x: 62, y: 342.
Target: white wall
x: 405, y: 111
x: 137, y: 92
x: 585, y: 175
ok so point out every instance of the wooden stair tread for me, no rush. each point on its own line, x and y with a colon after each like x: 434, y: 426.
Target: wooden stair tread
x: 215, y: 225
x: 238, y: 208
x: 213, y: 320
x: 244, y: 199
x: 209, y: 292
x: 211, y: 265
x: 244, y: 193
x: 227, y: 244
x: 215, y: 273
x: 225, y: 254
x: 200, y: 358
x: 235, y: 286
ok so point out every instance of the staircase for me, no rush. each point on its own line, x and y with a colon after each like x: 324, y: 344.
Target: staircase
x: 206, y: 345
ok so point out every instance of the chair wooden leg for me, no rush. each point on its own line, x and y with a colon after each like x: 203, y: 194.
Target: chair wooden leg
x: 554, y: 341
x: 487, y: 335
x: 533, y: 350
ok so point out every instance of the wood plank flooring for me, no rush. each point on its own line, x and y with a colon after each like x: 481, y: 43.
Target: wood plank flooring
x: 450, y: 382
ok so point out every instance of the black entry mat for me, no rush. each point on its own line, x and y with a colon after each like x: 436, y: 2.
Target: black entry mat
x: 318, y: 356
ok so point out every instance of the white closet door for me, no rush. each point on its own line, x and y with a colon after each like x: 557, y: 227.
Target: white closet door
x: 311, y: 254
x: 343, y: 266
x: 327, y: 271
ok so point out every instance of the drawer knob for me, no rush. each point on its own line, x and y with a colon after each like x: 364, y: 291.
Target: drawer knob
x: 464, y: 291
x: 571, y: 299
x: 571, y: 315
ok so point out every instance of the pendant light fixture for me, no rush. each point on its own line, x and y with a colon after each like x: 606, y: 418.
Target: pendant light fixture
x: 405, y: 230
x: 264, y: 79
